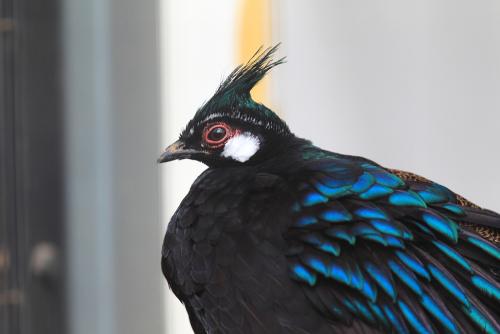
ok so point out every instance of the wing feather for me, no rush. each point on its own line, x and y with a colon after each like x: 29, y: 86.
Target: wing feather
x: 392, y: 252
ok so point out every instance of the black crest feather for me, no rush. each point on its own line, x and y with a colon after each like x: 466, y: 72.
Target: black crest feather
x: 245, y: 77
x: 232, y: 98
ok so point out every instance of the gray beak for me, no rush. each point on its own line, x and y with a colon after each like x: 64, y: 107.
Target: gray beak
x: 177, y: 151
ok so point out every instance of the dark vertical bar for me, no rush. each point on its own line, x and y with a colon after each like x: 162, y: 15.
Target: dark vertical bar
x: 31, y: 169
x: 10, y: 289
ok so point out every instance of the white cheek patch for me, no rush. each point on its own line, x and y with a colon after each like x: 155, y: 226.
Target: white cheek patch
x: 241, y: 147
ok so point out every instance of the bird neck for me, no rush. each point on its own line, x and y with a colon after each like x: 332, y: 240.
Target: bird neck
x: 289, y: 155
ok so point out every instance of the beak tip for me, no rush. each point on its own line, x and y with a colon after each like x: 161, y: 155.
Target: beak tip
x: 172, y: 152
x: 176, y: 151
x: 163, y: 158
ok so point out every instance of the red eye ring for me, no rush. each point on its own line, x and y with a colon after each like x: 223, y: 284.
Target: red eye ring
x: 215, y: 135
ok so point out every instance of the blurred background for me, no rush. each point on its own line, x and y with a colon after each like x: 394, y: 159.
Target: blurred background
x: 91, y: 91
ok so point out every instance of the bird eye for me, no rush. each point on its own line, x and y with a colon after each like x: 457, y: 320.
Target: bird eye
x: 217, y: 134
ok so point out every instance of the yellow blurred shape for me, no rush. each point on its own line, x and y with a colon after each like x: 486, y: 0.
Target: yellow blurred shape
x: 255, y: 31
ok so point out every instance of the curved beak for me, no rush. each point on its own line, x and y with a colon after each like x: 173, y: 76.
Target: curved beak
x: 176, y: 151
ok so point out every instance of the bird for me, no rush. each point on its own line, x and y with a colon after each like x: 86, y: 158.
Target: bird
x: 278, y: 235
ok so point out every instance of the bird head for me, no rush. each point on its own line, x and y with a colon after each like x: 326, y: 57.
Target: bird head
x: 231, y: 128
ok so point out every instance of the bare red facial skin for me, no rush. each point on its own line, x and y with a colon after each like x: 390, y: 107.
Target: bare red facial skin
x: 216, y: 135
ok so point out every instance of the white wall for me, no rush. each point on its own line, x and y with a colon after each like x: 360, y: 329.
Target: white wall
x: 411, y: 84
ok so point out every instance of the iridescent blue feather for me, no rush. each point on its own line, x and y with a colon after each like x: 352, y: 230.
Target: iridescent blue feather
x: 367, y: 231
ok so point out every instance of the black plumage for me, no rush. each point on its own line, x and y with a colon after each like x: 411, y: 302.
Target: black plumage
x: 280, y: 236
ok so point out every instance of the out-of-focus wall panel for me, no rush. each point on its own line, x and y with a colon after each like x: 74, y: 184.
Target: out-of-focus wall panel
x: 411, y: 84
x: 112, y: 138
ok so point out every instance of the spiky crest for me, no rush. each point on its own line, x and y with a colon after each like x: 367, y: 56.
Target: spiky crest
x: 245, y: 77
x: 232, y: 98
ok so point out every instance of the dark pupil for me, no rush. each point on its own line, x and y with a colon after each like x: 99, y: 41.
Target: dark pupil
x: 217, y: 134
